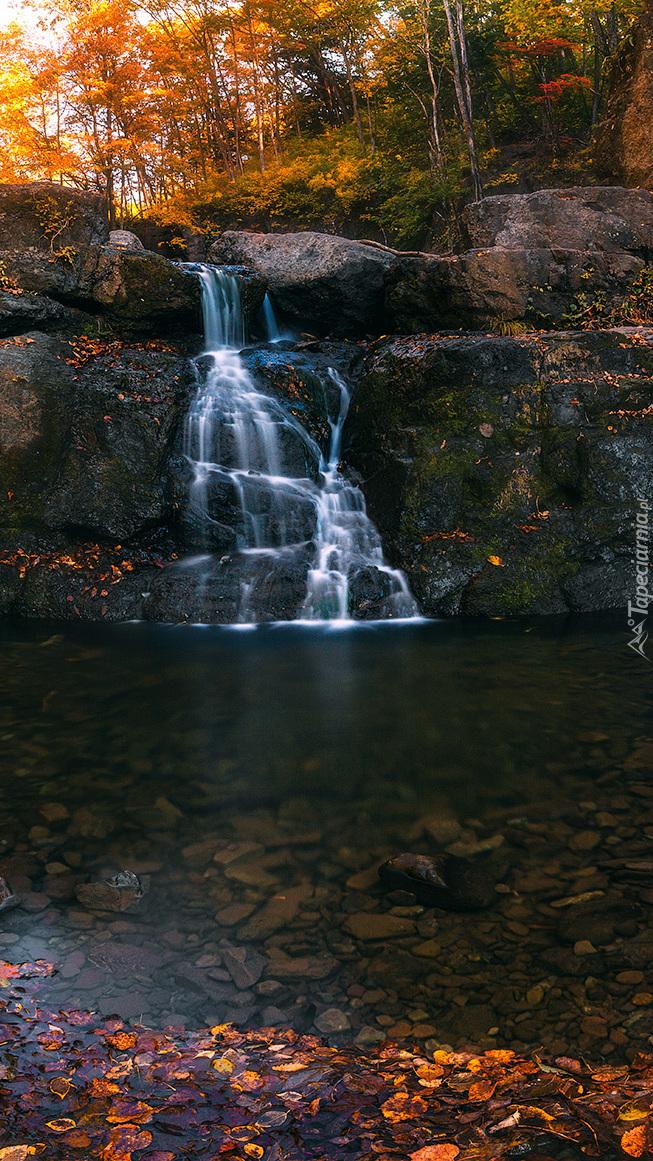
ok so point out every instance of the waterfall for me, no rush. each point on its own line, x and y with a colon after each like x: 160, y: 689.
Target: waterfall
x: 270, y: 324
x: 257, y: 473
x: 346, y: 540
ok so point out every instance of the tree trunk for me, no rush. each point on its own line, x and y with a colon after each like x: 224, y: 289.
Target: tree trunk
x: 354, y: 97
x: 461, y: 85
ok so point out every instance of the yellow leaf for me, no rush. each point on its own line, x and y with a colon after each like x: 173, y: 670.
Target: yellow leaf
x: 62, y: 1125
x: 496, y: 560
x: 223, y: 1065
x: 634, y: 1111
x: 254, y: 1150
x: 19, y: 1152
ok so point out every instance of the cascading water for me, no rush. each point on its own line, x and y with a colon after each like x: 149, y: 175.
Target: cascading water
x: 255, y: 469
x: 272, y: 332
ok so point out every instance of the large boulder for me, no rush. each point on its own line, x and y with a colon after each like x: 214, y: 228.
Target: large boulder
x: 623, y: 148
x: 86, y: 431
x: 607, y: 219
x: 331, y: 285
x: 126, y: 240
x: 491, y: 287
x: 54, y: 242
x: 51, y: 219
x: 140, y: 291
x: 542, y: 258
x: 504, y: 473
x: 137, y: 291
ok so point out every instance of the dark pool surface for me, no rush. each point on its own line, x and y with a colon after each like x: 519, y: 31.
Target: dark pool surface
x: 258, y: 778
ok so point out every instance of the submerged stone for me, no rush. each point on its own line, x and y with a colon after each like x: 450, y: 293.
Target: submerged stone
x: 445, y: 881
x: 8, y: 897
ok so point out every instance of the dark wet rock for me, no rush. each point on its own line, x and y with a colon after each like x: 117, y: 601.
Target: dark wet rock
x: 502, y: 472
x: 21, y: 311
x: 69, y: 593
x: 603, y: 219
x: 10, y: 585
x: 445, y: 881
x: 8, y: 897
x: 121, y: 893
x: 598, y: 920
x: 234, y: 588
x: 299, y: 376
x: 332, y: 1020
x: 85, y: 441
x: 245, y: 966
x: 330, y: 284
x: 370, y: 593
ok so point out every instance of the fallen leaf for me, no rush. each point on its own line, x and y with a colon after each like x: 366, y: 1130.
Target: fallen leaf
x: 19, y: 1152
x: 60, y: 1086
x: 441, y: 1152
x: 61, y: 1125
x: 402, y: 1106
x: 638, y: 1142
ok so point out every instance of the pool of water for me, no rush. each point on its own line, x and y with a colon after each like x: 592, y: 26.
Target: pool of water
x: 254, y: 780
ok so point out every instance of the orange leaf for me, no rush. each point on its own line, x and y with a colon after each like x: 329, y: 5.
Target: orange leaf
x: 482, y: 1090
x: 402, y: 1106
x: 441, y: 1152
x: 636, y: 1141
x: 135, y: 1112
x: 430, y: 1075
x: 496, y: 560
x: 125, y: 1140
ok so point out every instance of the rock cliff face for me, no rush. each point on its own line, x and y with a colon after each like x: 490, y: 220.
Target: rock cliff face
x: 533, y: 257
x: 504, y: 472
x: 86, y: 435
x: 623, y: 146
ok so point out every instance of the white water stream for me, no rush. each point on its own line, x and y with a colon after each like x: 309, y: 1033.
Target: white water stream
x: 288, y: 496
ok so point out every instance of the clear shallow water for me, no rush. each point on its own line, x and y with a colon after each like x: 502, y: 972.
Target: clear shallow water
x: 311, y: 755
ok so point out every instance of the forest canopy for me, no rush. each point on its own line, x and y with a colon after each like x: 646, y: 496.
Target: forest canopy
x: 344, y: 114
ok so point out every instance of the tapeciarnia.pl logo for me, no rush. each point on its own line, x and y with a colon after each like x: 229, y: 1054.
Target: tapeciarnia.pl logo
x: 638, y: 605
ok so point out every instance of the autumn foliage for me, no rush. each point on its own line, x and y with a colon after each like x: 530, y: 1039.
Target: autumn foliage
x: 251, y: 111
